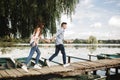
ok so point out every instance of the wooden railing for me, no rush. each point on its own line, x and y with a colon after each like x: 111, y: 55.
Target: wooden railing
x: 69, y: 58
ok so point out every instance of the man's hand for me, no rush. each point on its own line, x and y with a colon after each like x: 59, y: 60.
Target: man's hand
x: 46, y: 40
x: 53, y: 38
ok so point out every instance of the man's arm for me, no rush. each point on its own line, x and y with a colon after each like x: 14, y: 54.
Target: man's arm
x: 58, y: 32
x: 46, y: 40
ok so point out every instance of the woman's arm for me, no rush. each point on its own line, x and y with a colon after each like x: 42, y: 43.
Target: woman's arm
x: 37, y: 37
x: 46, y: 40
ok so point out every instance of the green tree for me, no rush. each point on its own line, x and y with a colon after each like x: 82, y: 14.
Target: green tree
x: 92, y: 40
x: 76, y: 41
x: 25, y: 14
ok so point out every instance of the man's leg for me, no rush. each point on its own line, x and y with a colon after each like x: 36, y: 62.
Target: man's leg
x: 63, y: 53
x: 56, y: 53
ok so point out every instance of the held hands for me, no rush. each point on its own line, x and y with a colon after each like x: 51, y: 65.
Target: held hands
x: 52, y: 39
x: 48, y: 40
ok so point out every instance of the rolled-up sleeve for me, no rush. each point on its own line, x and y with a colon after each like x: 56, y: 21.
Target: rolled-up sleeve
x: 59, y: 36
x: 59, y: 32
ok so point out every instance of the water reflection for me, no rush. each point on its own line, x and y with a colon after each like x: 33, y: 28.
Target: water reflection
x: 81, y: 51
x: 92, y: 48
x: 70, y: 48
x: 5, y: 50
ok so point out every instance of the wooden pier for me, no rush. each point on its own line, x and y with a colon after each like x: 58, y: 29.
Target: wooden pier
x: 75, y: 68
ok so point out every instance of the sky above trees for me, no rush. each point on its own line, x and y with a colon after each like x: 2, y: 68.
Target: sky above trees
x: 99, y: 18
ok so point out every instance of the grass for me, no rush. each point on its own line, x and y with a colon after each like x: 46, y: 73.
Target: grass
x: 6, y: 44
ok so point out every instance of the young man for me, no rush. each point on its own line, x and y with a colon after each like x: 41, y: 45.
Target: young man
x: 59, y: 45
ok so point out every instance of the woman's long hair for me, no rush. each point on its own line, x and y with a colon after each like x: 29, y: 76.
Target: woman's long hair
x: 40, y: 25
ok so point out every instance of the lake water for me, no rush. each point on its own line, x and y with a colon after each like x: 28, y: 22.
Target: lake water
x: 47, y: 50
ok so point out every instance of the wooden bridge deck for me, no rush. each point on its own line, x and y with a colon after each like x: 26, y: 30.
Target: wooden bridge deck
x: 73, y: 69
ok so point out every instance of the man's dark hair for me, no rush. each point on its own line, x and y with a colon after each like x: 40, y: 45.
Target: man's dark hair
x: 63, y: 24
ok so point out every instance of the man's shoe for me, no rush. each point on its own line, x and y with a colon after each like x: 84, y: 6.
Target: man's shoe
x: 65, y: 65
x: 24, y: 67
x: 37, y: 66
x: 48, y: 63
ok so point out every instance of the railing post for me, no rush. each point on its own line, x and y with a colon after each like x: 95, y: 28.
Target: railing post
x: 45, y: 60
x: 107, y: 71
x: 90, y: 57
x: 69, y: 59
x: 94, y: 72
x: 116, y: 70
x: 86, y: 73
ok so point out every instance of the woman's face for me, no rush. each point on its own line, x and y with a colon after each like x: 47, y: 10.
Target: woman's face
x: 42, y: 26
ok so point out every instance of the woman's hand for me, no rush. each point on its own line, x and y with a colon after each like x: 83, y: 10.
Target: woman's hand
x: 34, y: 44
x: 53, y: 38
x: 47, y: 40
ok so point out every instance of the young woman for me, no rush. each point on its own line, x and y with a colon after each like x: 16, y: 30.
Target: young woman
x: 34, y: 46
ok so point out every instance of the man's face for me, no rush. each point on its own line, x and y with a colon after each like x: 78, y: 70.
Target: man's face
x: 64, y: 26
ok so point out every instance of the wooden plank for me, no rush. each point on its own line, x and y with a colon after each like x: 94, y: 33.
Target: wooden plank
x: 85, y: 64
x: 4, y: 74
x: 72, y: 73
x: 100, y: 63
x: 0, y: 76
x: 118, y: 59
x: 11, y: 74
x: 18, y: 74
x: 93, y: 64
x: 77, y: 66
x: 30, y: 72
x: 45, y: 70
x: 34, y: 72
x: 108, y: 62
x: 60, y: 69
x: 90, y: 66
x: 23, y: 72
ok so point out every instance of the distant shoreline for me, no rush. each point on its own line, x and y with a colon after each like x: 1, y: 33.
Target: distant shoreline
x: 26, y: 44
x: 12, y: 44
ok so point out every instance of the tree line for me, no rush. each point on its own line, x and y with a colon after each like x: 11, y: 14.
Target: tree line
x: 20, y: 17
x: 93, y: 40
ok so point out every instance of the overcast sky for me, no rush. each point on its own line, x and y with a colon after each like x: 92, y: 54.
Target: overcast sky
x: 100, y: 18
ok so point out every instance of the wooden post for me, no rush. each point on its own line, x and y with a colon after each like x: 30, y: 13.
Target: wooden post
x: 90, y: 57
x: 116, y: 70
x: 86, y: 73
x: 95, y: 72
x: 107, y: 71
x: 69, y: 59
x: 45, y: 61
